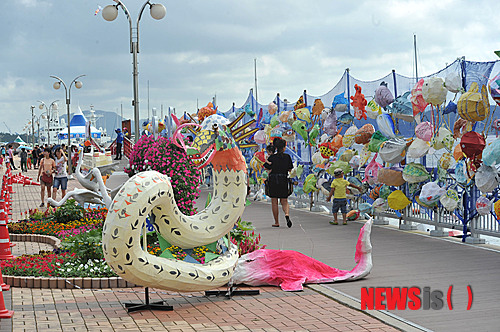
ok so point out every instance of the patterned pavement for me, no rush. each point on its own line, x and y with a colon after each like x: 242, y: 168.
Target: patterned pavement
x: 102, y: 310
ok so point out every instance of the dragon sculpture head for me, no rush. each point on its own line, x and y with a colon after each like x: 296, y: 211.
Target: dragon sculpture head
x: 213, y: 143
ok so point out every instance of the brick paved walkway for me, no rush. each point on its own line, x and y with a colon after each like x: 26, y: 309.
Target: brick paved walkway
x: 28, y: 197
x: 102, y: 310
x: 29, y: 248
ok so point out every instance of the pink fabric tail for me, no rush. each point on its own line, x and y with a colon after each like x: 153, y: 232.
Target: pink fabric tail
x: 290, y: 269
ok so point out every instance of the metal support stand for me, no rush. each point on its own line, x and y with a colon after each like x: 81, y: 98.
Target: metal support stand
x: 404, y: 224
x: 379, y: 220
x: 474, y: 238
x: 298, y: 204
x: 158, y: 305
x: 232, y: 291
x: 438, y: 232
x: 407, y: 226
x: 314, y: 204
x: 316, y: 208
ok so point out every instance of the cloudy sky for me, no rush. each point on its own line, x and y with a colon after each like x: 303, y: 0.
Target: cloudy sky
x: 207, y: 47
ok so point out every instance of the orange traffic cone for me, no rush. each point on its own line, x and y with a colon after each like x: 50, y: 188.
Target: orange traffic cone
x: 7, y: 206
x: 3, y: 285
x: 4, y: 313
x: 30, y: 182
x: 5, y: 244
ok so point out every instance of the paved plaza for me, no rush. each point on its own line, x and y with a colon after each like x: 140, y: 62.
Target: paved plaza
x: 400, y: 259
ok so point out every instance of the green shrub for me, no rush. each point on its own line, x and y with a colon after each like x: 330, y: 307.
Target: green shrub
x: 68, y: 212
x: 238, y: 233
x: 86, y: 245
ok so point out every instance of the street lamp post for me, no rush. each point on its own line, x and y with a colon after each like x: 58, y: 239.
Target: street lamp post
x: 109, y: 13
x: 38, y: 125
x: 52, y: 106
x: 78, y: 85
x: 32, y: 126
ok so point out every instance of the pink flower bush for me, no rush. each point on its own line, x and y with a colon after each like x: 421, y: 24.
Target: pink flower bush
x: 75, y: 231
x: 165, y: 157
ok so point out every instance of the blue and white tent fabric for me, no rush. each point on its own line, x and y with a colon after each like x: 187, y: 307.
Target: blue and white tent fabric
x: 77, y: 127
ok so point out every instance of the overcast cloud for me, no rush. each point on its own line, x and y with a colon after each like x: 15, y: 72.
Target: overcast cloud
x: 205, y: 47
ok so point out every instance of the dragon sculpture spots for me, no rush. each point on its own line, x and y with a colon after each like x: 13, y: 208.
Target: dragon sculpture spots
x: 151, y: 193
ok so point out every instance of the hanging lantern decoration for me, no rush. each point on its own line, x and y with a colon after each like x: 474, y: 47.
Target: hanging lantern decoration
x: 474, y: 105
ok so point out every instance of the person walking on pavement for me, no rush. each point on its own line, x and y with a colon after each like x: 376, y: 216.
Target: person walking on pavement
x: 3, y: 152
x: 11, y: 157
x: 119, y: 143
x: 24, y: 160
x: 47, y: 168
x: 30, y: 158
x: 280, y: 164
x: 34, y: 157
x: 40, y: 155
x: 60, y: 175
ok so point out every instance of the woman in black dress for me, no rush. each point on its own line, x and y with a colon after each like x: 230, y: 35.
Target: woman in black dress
x: 279, y: 164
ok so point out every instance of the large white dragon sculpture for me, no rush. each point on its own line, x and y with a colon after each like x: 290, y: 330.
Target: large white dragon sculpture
x: 151, y: 192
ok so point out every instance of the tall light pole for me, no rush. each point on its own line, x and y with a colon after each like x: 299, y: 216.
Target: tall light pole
x: 109, y: 13
x: 52, y: 106
x: 78, y: 85
x: 32, y: 126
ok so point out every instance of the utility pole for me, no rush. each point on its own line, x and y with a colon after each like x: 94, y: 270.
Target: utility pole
x: 255, y: 74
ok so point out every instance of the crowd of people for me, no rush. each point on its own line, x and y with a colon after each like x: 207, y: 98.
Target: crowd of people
x: 51, y: 162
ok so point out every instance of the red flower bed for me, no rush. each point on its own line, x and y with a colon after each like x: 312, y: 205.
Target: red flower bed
x: 42, y: 265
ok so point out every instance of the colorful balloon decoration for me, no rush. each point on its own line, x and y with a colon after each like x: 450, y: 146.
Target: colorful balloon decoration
x: 373, y: 110
x: 386, y: 125
x: 330, y: 124
x: 349, y: 136
x: 383, y: 96
x: 434, y: 91
x: 272, y: 108
x: 474, y: 105
x: 340, y: 103
x: 301, y: 129
x: 206, y: 111
x: 346, y: 119
x: 260, y: 137
x: 494, y: 87
x: 453, y: 82
x: 274, y: 121
x: 402, y: 108
x: 299, y: 104
x: 450, y: 108
x: 417, y: 100
x: 364, y: 134
x: 303, y: 114
x: 288, y: 135
x: 359, y: 103
x: 317, y: 109
x: 313, y: 134
x: 424, y: 131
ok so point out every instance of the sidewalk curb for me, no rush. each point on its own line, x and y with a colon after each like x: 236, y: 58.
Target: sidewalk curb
x: 67, y: 283
x: 39, y: 238
x: 353, y: 303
